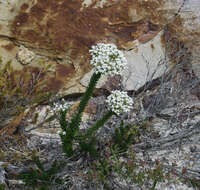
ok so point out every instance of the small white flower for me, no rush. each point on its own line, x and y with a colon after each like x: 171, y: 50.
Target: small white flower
x: 119, y: 102
x: 61, y: 105
x: 61, y: 132
x: 25, y: 56
x: 107, y: 59
x: 58, y: 132
x: 64, y: 133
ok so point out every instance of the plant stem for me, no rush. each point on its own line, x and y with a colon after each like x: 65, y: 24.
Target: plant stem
x: 73, y: 126
x: 83, y: 103
x: 98, y: 124
x: 87, y: 95
x: 154, y: 185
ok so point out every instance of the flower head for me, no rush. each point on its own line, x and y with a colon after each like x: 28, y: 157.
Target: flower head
x: 61, y: 133
x: 61, y: 105
x: 119, y: 102
x: 107, y: 59
x: 64, y: 133
x: 58, y: 132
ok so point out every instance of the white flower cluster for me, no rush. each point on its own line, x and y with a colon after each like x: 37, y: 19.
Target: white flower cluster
x: 107, y: 59
x: 25, y: 56
x: 61, y: 105
x: 61, y: 132
x: 119, y: 102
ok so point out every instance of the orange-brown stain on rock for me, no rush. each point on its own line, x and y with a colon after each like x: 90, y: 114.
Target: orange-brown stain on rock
x: 66, y: 27
x: 32, y: 36
x: 24, y: 7
x: 10, y: 128
x: 37, y: 12
x: 62, y: 22
x: 8, y: 47
x: 12, y: 9
x: 151, y: 9
x: 29, y: 79
x: 53, y: 85
x: 64, y: 71
x: 174, y: 44
x: 19, y: 21
x: 145, y: 31
x: 152, y: 47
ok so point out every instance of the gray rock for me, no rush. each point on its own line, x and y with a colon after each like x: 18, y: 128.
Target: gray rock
x: 196, y: 66
x: 191, y: 17
x: 86, y: 79
x: 145, y: 63
x: 2, y: 174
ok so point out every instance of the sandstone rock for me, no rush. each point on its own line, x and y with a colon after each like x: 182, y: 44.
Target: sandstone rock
x: 186, y: 28
x: 86, y: 79
x: 9, y: 9
x: 106, y: 82
x: 40, y: 27
x: 8, y: 51
x: 145, y: 63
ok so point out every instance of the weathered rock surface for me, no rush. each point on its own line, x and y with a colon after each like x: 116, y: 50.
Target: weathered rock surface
x: 2, y: 174
x: 41, y: 27
x: 86, y: 79
x: 147, y: 62
x: 149, y: 32
x: 186, y: 28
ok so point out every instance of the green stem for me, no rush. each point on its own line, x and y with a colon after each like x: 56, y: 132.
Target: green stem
x: 154, y: 184
x: 87, y: 95
x: 98, y: 124
x: 76, y: 119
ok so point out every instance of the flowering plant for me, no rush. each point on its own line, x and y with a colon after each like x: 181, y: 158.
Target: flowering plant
x: 119, y: 102
x: 60, y: 105
x: 61, y: 132
x: 107, y: 59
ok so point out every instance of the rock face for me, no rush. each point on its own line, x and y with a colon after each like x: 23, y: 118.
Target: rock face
x: 192, y: 24
x: 61, y: 33
x: 147, y: 62
x: 186, y: 29
x: 154, y: 35
x: 2, y: 174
